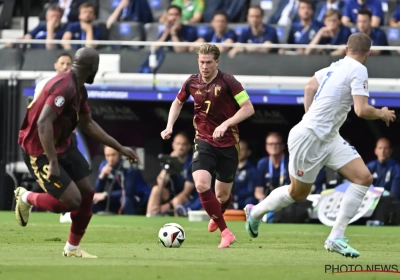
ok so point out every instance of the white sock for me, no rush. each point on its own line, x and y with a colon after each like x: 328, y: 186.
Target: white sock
x: 349, y: 206
x: 70, y: 247
x: 24, y: 197
x: 278, y: 199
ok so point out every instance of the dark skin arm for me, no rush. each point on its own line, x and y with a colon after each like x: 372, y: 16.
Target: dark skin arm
x: 46, y: 135
x: 95, y: 132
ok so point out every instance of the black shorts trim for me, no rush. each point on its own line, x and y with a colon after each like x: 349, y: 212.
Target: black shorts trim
x: 221, y: 162
x: 73, y: 167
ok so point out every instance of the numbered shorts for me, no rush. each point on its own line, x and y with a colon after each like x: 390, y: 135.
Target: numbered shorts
x: 73, y: 167
x: 221, y: 162
x: 308, y: 154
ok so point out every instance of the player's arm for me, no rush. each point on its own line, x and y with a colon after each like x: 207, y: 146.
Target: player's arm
x: 46, y: 132
x: 94, y: 131
x: 246, y: 110
x: 359, y: 91
x: 309, y: 92
x: 174, y: 112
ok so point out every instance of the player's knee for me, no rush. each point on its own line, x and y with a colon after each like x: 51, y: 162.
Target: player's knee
x: 74, y: 202
x: 222, y: 196
x: 201, y: 186
x: 364, y: 180
x: 298, y: 194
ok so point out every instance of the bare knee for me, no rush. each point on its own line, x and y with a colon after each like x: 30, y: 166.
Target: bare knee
x: 202, y: 186
x: 222, y: 195
x: 74, y: 202
x: 299, y: 192
x: 364, y: 180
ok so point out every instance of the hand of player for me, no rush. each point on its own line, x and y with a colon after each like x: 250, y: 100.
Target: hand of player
x: 166, y: 133
x: 388, y: 115
x: 130, y: 154
x: 219, y: 132
x: 54, y: 172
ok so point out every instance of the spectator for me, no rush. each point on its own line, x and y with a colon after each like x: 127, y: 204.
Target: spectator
x: 84, y: 29
x: 304, y: 30
x: 378, y: 36
x: 322, y: 7
x: 385, y: 171
x: 286, y: 13
x: 353, y: 7
x: 136, y: 192
x: 131, y: 10
x: 245, y: 179
x: 332, y: 34
x: 272, y: 170
x: 192, y: 11
x: 256, y: 33
x: 51, y: 30
x: 395, y: 19
x: 70, y: 10
x: 220, y: 32
x: 174, y: 31
x: 173, y: 191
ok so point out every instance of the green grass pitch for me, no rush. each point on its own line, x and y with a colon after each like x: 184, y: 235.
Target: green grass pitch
x: 127, y: 249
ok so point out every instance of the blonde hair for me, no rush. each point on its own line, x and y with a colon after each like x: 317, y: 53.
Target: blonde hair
x: 209, y: 49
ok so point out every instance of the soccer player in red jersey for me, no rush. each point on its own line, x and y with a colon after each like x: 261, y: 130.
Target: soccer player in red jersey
x: 59, y: 168
x: 216, y: 149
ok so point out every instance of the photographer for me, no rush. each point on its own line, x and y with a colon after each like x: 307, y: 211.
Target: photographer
x: 272, y: 170
x: 129, y: 202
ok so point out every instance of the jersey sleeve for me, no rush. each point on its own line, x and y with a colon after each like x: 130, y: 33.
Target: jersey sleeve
x: 60, y: 95
x: 238, y: 92
x: 321, y: 74
x: 184, y: 92
x: 359, y: 81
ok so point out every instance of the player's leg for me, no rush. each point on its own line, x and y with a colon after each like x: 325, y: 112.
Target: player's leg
x: 347, y: 161
x: 228, y: 160
x: 306, y: 157
x: 59, y: 197
x: 78, y: 168
x: 203, y: 166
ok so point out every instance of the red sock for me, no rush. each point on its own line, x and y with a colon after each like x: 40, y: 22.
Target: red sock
x: 226, y: 204
x: 80, y: 219
x: 47, y: 202
x: 213, y: 208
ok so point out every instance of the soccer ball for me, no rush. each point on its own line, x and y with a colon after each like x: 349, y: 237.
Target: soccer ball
x: 171, y: 235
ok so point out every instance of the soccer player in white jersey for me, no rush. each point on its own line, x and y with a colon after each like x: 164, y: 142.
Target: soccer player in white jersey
x: 62, y: 64
x: 315, y: 142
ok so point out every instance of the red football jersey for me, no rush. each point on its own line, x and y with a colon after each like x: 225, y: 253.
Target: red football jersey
x: 63, y: 95
x: 214, y: 103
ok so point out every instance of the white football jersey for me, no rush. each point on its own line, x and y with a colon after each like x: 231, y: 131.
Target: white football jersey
x: 40, y: 86
x: 332, y: 102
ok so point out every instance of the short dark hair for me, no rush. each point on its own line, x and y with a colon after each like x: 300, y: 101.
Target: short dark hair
x: 221, y: 13
x: 365, y: 12
x: 175, y: 7
x: 87, y: 5
x: 183, y: 134
x: 249, y: 147
x: 256, y: 7
x: 359, y: 43
x: 308, y: 2
x: 55, y: 7
x: 64, y: 54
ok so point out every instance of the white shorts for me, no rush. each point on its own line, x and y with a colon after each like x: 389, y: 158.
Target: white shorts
x: 308, y: 154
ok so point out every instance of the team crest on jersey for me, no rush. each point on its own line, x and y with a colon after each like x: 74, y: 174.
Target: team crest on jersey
x: 300, y: 173
x: 365, y: 85
x: 59, y: 101
x: 217, y: 90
